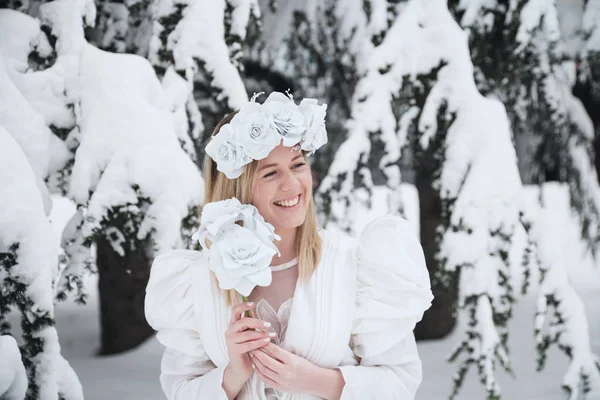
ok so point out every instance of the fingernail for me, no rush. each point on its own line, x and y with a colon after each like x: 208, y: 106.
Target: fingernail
x: 267, y: 324
x: 267, y: 340
x: 250, y: 304
x: 272, y: 334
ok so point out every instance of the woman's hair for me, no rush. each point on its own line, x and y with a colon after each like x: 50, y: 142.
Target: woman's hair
x: 218, y: 187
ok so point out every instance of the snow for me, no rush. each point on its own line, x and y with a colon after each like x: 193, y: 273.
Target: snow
x: 13, y: 378
x: 472, y: 16
x: 546, y: 209
x: 65, y: 17
x: 21, y: 33
x: 164, y: 174
x: 200, y: 35
x: 570, y: 18
x: 591, y: 26
x: 23, y: 221
x: 240, y: 16
x: 380, y: 204
x: 534, y: 13
x: 178, y: 93
x: 134, y: 375
x: 25, y: 124
x: 121, y: 106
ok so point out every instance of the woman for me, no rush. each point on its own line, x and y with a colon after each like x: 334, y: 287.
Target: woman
x: 337, y: 319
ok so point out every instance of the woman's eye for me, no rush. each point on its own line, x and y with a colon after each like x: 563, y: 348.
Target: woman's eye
x: 299, y: 165
x: 272, y: 173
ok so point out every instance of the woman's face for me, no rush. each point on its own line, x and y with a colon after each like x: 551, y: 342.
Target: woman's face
x: 282, y: 188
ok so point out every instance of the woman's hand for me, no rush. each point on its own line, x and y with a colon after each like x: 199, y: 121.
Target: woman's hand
x: 287, y: 372
x: 242, y: 336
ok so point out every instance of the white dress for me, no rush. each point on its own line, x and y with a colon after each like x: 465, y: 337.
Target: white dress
x: 356, y: 313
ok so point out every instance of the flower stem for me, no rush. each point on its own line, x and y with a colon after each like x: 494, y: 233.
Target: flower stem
x: 245, y: 300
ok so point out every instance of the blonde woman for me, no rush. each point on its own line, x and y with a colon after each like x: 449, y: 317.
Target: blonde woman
x: 336, y: 320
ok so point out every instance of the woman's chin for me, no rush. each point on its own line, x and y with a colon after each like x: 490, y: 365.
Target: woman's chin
x: 290, y: 221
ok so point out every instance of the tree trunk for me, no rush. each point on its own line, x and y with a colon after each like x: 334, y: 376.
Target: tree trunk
x: 440, y: 319
x: 122, y: 284
x: 585, y: 92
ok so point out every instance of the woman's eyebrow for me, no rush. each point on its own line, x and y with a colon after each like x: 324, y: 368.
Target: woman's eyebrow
x: 268, y: 166
x: 275, y: 164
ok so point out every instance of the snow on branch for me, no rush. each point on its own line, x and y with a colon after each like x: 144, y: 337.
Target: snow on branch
x: 560, y: 316
x: 577, y: 132
x: 129, y: 176
x: 190, y: 37
x: 349, y: 183
x: 156, y: 196
x: 28, y: 269
x: 591, y: 49
x: 13, y: 380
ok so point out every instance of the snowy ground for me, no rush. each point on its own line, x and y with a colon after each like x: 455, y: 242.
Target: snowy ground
x: 134, y: 375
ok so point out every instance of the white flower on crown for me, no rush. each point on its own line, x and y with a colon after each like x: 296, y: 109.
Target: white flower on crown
x: 287, y: 120
x: 229, y: 154
x: 239, y: 255
x: 314, y: 119
x: 257, y: 129
x: 254, y: 131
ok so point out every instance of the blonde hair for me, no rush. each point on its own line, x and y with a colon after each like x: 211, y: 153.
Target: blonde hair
x: 218, y: 187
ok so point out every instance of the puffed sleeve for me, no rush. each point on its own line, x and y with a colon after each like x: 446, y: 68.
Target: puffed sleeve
x: 393, y: 292
x: 186, y: 370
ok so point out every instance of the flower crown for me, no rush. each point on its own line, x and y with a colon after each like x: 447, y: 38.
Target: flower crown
x: 258, y: 128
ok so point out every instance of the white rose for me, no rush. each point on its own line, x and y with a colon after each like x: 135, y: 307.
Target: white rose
x: 216, y: 218
x: 285, y: 117
x: 240, y: 260
x: 226, y: 151
x: 314, y: 120
x: 254, y: 221
x: 254, y: 131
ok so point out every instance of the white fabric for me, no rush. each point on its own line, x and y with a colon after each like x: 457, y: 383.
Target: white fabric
x: 279, y: 319
x: 279, y: 291
x: 356, y: 313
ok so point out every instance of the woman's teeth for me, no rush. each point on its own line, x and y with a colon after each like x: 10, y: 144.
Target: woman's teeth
x: 288, y: 203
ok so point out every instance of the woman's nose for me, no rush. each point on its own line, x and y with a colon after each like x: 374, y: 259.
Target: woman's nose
x: 289, y: 182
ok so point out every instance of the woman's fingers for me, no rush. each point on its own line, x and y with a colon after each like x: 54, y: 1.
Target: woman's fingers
x: 267, y: 360
x: 249, y: 323
x: 248, y: 336
x: 239, y: 309
x: 262, y: 367
x: 271, y: 382
x: 253, y: 345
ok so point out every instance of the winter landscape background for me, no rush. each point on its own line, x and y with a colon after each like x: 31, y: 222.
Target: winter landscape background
x: 477, y: 121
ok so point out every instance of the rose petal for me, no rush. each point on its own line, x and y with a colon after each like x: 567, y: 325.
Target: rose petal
x: 245, y: 287
x: 262, y: 278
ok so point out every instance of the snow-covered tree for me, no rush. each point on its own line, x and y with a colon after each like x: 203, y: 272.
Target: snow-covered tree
x: 560, y: 315
x: 28, y: 271
x: 196, y: 47
x: 116, y: 155
x: 122, y: 26
x: 314, y: 53
x: 417, y: 92
x: 580, y: 37
x: 527, y: 71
